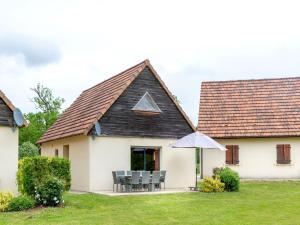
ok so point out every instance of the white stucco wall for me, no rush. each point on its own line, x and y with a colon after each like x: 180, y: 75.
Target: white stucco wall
x: 78, y: 155
x: 114, y: 153
x: 93, y: 160
x: 257, y: 158
x: 8, y: 158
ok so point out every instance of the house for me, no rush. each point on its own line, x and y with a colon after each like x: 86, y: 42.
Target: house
x: 124, y: 123
x: 9, y: 143
x: 258, y: 121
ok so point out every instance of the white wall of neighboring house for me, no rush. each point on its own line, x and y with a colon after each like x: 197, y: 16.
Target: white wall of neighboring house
x: 94, y: 159
x: 257, y: 158
x: 78, y: 155
x: 8, y: 158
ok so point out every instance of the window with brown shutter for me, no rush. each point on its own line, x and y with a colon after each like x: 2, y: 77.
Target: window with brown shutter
x: 284, y: 154
x: 232, y: 154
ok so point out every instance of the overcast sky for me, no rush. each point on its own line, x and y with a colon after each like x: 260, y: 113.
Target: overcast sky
x: 72, y: 45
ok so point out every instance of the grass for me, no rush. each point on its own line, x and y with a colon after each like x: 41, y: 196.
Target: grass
x: 256, y: 203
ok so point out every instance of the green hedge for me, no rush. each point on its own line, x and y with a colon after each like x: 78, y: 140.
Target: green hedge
x: 34, y: 170
x: 230, y: 178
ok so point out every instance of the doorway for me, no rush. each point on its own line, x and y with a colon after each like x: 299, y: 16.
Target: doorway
x: 145, y: 158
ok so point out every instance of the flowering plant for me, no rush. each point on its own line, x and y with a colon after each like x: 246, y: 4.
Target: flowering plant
x: 50, y: 192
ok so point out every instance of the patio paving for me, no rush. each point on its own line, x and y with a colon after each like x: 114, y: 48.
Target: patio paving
x: 166, y: 191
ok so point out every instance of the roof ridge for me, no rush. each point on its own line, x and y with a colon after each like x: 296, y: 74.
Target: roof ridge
x: 250, y: 108
x: 87, y: 116
x: 254, y: 79
x: 110, y: 78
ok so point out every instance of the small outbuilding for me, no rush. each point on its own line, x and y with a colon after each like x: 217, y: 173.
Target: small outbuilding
x: 124, y: 123
x: 9, y: 141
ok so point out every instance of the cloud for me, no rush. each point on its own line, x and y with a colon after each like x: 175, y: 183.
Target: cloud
x: 34, y: 51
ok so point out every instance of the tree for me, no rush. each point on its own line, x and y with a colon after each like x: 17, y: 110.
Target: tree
x: 47, y: 104
x: 48, y: 110
x: 27, y: 149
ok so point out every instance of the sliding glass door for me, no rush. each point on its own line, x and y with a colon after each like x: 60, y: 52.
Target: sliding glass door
x: 145, y: 158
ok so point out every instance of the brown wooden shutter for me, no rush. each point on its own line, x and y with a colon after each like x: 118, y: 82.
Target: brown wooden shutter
x: 229, y: 158
x: 235, y: 154
x: 280, y: 154
x: 287, y: 154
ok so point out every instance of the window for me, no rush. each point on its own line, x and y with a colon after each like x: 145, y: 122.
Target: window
x: 56, y: 152
x: 145, y: 158
x: 146, y: 106
x: 284, y: 154
x: 66, y: 151
x: 232, y: 154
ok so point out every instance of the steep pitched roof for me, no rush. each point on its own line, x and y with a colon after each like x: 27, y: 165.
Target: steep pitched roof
x: 92, y: 104
x: 250, y: 108
x: 7, y: 101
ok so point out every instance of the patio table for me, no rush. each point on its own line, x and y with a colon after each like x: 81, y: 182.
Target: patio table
x: 126, y: 177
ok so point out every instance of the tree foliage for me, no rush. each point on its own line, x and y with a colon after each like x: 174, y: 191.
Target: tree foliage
x: 27, y: 149
x: 48, y: 109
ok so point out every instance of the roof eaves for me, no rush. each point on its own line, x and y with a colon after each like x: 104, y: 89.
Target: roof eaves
x: 118, y: 94
x: 7, y: 101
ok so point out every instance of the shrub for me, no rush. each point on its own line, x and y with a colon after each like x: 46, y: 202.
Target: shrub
x: 20, y: 203
x: 212, y: 185
x: 217, y: 171
x: 50, y: 192
x: 230, y: 178
x: 5, y: 198
x: 34, y: 170
x: 27, y: 149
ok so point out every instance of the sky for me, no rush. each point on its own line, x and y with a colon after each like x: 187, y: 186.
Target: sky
x: 70, y: 46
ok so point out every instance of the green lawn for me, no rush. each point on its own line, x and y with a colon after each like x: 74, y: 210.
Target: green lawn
x: 256, y: 203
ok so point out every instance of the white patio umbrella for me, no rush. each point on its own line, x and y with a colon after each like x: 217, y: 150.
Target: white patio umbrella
x: 198, y: 140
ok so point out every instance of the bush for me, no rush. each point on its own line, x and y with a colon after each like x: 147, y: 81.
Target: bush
x: 217, y: 171
x: 20, y: 203
x: 50, y: 192
x: 27, y: 149
x: 35, y: 170
x: 230, y: 178
x: 5, y: 198
x: 212, y: 185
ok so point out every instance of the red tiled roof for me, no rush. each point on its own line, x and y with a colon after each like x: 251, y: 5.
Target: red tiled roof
x: 250, y: 108
x: 92, y: 104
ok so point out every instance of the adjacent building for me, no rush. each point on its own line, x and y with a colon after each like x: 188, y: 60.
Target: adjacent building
x: 124, y: 123
x: 9, y: 141
x: 258, y: 121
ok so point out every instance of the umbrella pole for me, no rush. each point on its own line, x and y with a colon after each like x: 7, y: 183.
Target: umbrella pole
x: 201, y: 163
x: 196, y: 186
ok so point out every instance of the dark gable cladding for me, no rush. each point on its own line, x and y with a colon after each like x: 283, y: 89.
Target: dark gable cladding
x: 120, y: 120
x: 6, y: 115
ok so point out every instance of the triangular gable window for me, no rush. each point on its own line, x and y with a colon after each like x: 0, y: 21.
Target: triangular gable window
x: 146, y: 105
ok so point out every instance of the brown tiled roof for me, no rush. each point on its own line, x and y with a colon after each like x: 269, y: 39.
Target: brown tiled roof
x: 7, y: 101
x: 92, y: 104
x: 250, y: 108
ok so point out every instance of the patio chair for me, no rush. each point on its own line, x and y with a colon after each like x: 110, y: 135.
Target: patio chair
x: 134, y: 182
x: 155, y: 180
x: 120, y: 173
x: 163, y: 177
x: 116, y: 180
x: 140, y: 171
x: 121, y: 179
x: 146, y: 179
x: 129, y: 173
